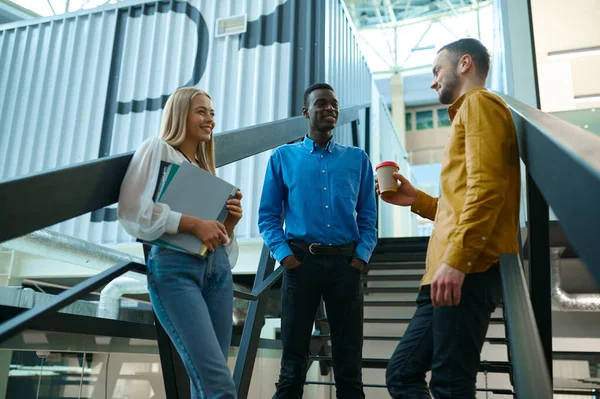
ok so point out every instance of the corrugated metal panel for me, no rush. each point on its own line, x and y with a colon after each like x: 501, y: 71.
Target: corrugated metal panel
x: 248, y: 86
x: 54, y: 87
x: 93, y: 83
x: 60, y: 105
x: 345, y: 67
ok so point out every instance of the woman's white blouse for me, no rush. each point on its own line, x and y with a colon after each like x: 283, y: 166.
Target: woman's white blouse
x: 138, y: 213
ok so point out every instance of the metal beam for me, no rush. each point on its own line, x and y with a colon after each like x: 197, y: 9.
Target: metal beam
x: 378, y: 13
x: 417, y: 20
x: 540, y: 272
x: 390, y: 11
x: 20, y: 323
x: 417, y: 44
x: 250, y: 340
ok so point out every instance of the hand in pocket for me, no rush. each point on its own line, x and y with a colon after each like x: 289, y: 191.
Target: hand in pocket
x: 290, y: 262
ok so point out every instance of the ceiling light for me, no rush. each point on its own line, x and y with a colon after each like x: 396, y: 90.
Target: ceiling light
x: 579, y: 52
x: 587, y: 98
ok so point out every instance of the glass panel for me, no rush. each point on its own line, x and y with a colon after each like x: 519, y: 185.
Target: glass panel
x: 424, y: 120
x: 408, y: 121
x: 123, y: 375
x: 443, y: 117
x: 44, y: 375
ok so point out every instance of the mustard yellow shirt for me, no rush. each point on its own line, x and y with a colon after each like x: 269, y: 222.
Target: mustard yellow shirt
x: 476, y: 217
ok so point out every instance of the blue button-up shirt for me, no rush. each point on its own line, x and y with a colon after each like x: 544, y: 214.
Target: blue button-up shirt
x: 328, y: 196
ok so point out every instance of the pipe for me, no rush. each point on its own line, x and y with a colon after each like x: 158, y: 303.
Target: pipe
x: 564, y: 300
x: 52, y: 245
x: 110, y: 296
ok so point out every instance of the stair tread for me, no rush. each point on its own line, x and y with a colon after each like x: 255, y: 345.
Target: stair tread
x: 391, y: 290
x: 392, y: 277
x: 390, y: 303
x: 493, y: 320
x: 492, y: 340
x: 499, y: 391
x: 490, y: 366
x: 375, y: 265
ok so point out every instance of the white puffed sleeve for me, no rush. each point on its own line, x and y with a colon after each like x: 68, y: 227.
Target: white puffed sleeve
x: 139, y: 215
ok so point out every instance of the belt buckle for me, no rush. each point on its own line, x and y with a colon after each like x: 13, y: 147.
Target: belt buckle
x: 310, y: 247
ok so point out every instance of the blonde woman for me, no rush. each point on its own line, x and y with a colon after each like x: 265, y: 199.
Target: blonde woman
x: 192, y: 297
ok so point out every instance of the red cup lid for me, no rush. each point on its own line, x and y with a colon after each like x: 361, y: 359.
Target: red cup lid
x: 387, y: 163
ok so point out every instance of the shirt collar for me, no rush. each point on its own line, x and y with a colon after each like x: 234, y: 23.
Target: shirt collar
x: 453, y: 109
x: 310, y: 145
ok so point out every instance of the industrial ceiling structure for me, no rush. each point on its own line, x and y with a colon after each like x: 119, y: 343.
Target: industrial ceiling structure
x: 402, y: 36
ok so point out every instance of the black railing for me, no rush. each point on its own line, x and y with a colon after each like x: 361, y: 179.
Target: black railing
x: 530, y: 374
x: 563, y: 171
x: 34, y: 202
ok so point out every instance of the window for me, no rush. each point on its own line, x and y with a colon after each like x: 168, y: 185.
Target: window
x: 424, y: 120
x: 408, y: 121
x: 443, y: 117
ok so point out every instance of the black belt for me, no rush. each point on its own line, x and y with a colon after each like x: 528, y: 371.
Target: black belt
x: 323, y: 249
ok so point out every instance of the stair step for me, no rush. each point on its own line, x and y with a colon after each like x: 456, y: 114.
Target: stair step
x: 371, y: 363
x: 391, y: 290
x: 398, y: 257
x: 400, y: 304
x: 385, y: 320
x: 376, y: 265
x: 327, y: 383
x: 499, y: 391
x: 391, y: 303
x: 405, y: 244
x: 491, y: 341
x: 392, y: 277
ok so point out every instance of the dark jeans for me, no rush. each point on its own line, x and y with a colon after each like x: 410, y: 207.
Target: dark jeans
x: 340, y: 285
x: 445, y: 340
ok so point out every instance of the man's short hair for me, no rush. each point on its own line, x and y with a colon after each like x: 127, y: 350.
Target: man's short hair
x: 478, y: 52
x: 316, y: 86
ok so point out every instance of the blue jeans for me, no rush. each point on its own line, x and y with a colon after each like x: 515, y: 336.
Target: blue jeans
x: 445, y: 340
x: 193, y: 300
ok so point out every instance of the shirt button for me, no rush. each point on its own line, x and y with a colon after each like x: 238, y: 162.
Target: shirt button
x: 483, y: 238
x: 469, y: 263
x: 324, y: 188
x: 321, y: 156
x: 323, y: 171
x: 328, y: 225
x: 327, y: 206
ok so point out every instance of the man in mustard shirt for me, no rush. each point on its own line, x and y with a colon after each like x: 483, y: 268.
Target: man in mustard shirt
x: 476, y: 218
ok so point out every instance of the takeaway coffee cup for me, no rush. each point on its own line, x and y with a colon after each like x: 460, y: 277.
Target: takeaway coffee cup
x: 387, y: 182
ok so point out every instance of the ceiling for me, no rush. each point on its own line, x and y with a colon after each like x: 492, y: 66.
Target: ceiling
x: 374, y: 13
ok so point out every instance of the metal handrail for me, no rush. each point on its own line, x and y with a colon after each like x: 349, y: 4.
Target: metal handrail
x: 563, y: 160
x: 531, y: 376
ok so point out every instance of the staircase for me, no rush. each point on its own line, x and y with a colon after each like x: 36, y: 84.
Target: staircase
x: 391, y: 285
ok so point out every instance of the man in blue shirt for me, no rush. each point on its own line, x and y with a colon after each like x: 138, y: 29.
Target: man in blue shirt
x: 327, y: 191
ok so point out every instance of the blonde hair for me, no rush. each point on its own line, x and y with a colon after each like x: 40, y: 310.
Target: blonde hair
x: 173, y: 126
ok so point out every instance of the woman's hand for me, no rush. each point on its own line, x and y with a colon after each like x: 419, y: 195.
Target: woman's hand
x: 234, y: 206
x: 210, y: 232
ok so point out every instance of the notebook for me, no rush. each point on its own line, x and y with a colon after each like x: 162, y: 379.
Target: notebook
x: 193, y: 191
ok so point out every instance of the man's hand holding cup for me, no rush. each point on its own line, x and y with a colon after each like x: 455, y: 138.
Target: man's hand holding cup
x: 392, y: 187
